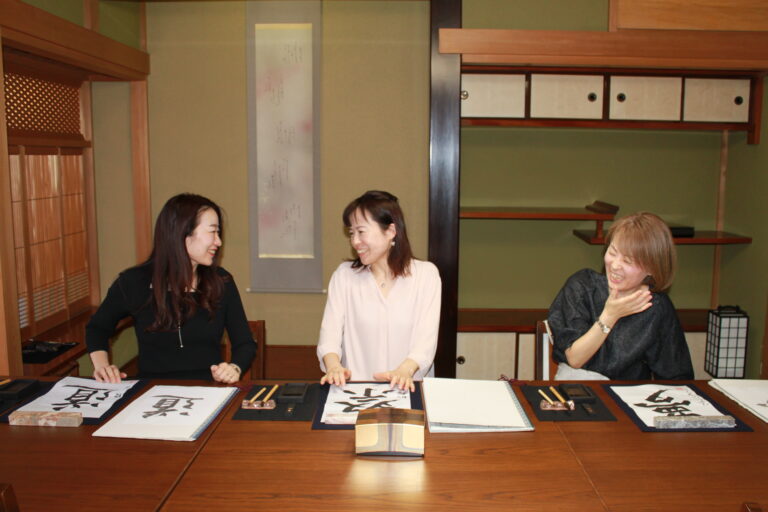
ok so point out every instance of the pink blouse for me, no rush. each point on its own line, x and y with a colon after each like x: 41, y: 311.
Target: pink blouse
x: 372, y: 333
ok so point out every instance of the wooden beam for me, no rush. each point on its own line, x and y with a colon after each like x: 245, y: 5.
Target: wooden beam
x: 444, y: 141
x: 142, y: 207
x: 142, y: 211
x: 747, y: 15
x: 89, y: 176
x: 764, y: 369
x: 10, y: 339
x: 33, y: 30
x: 683, y: 49
x: 719, y: 220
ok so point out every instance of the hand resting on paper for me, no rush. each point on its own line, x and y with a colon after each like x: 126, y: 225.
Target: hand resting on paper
x: 226, y: 373
x: 109, y: 373
x: 401, y: 377
x: 337, y: 375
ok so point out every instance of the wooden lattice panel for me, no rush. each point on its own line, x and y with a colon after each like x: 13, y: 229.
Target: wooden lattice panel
x: 36, y: 105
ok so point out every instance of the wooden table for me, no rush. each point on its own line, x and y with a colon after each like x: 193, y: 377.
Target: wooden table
x: 59, y: 468
x: 286, y: 466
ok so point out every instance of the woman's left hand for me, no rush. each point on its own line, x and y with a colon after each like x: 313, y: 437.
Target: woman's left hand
x: 401, y: 377
x: 225, y: 372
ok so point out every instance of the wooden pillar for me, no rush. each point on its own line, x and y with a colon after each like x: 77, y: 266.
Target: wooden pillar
x: 719, y: 220
x: 445, y: 81
x: 142, y: 206
x: 10, y: 338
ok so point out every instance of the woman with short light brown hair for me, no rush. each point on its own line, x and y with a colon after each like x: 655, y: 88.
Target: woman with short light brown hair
x: 621, y: 324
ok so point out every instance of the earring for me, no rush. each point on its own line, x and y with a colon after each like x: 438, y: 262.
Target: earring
x: 393, y: 243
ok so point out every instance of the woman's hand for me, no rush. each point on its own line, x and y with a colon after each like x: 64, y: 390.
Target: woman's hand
x: 401, y: 377
x: 336, y: 375
x: 618, y: 307
x: 226, y: 373
x: 108, y: 373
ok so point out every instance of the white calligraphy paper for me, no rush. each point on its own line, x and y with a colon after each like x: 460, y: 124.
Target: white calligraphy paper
x: 651, y: 400
x: 344, y: 403
x: 174, y: 413
x: 751, y: 394
x: 72, y: 394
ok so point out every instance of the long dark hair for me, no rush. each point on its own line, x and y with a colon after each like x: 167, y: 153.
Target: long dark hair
x: 172, y: 268
x: 383, y: 208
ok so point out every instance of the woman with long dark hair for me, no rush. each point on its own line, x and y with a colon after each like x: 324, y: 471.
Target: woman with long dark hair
x: 383, y: 310
x: 180, y: 301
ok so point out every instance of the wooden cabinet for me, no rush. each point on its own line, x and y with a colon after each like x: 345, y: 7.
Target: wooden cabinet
x: 491, y: 95
x: 645, y: 98
x: 716, y: 100
x: 566, y: 96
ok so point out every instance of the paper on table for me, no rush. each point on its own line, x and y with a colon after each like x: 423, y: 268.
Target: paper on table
x: 86, y: 396
x: 650, y: 400
x: 174, y: 413
x: 344, y: 403
x: 458, y: 405
x: 752, y: 394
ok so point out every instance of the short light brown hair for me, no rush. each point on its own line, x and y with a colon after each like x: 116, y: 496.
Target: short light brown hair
x: 646, y: 238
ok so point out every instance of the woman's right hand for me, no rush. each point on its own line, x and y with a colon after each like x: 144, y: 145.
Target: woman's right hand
x: 109, y: 373
x: 618, y: 307
x: 336, y: 375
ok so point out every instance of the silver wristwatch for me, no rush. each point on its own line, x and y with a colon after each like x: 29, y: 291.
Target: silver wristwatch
x: 603, y: 327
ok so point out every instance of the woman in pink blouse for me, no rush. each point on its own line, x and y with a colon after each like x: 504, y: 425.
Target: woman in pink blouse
x: 383, y: 310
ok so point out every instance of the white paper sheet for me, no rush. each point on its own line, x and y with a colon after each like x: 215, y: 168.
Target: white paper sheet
x: 174, y: 413
x: 343, y: 404
x: 86, y: 396
x: 651, y: 400
x: 460, y: 405
x: 751, y: 394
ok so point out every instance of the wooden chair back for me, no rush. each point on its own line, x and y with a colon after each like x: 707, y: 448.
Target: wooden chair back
x: 259, y: 333
x: 545, y: 367
x: 8, y: 501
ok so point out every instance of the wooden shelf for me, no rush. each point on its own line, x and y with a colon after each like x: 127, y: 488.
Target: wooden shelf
x: 682, y: 49
x: 597, y: 211
x: 701, y: 238
x: 602, y: 124
x: 524, y: 320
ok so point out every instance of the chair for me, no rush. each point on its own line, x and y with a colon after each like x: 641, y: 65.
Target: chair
x: 256, y: 370
x: 545, y: 367
x: 8, y: 501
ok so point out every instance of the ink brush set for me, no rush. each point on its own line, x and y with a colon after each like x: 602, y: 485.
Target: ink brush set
x: 290, y: 401
x: 566, y: 402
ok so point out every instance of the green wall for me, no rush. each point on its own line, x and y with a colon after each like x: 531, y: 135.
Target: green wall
x: 70, y: 10
x: 744, y: 278
x: 118, y: 19
x: 374, y: 125
x: 536, y: 14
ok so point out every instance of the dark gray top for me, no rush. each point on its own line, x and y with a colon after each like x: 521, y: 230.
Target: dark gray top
x: 646, y: 345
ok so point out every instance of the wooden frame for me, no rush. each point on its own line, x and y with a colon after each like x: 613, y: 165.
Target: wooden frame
x: 33, y: 30
x: 10, y: 344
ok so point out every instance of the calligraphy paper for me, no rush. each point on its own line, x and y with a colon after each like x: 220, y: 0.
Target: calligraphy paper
x: 751, y: 394
x: 650, y: 400
x: 174, y: 413
x: 72, y: 394
x: 344, y: 403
